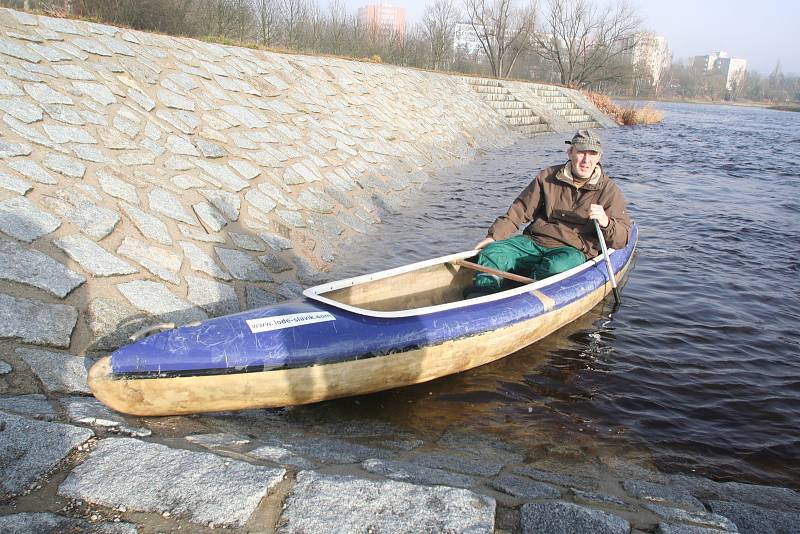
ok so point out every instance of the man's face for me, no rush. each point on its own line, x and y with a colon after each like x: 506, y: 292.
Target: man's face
x: 583, y: 162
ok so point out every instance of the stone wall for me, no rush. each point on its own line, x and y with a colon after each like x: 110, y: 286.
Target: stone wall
x: 148, y: 178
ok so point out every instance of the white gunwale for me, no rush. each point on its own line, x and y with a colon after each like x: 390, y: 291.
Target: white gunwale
x: 317, y: 293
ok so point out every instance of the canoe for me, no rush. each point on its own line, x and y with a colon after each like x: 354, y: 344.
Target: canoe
x: 365, y: 334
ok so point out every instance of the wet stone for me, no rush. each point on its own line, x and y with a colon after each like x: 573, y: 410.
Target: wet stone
x: 356, y: 223
x: 34, y: 405
x: 30, y: 449
x: 355, y: 505
x: 751, y: 519
x: 458, y: 463
x: 34, y: 268
x: 214, y: 297
x: 168, y: 204
x: 21, y: 219
x: 92, y: 257
x: 200, y: 261
x: 156, y: 299
x: 64, y: 165
x: 566, y: 518
x: 16, y: 185
x: 90, y: 411
x: 668, y: 528
x: 560, y: 479
x: 524, y: 488
x: 217, y: 440
x: 21, y: 110
x: 10, y: 150
x: 242, y: 266
x: 150, y: 226
x: 699, y: 518
x: 49, y: 523
x: 414, y: 473
x: 158, y: 261
x: 766, y: 496
x: 202, y: 486
x: 597, y: 497
x: 661, y: 493
x: 280, y: 456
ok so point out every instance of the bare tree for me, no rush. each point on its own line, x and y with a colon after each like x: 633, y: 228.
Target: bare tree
x: 293, y: 17
x: 586, y: 44
x: 438, y: 29
x: 337, y: 27
x: 504, y: 30
x: 267, y: 21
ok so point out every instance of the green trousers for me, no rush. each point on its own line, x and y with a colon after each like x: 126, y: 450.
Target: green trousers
x: 521, y: 255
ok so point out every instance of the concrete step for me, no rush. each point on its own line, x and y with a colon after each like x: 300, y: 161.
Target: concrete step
x: 499, y: 97
x: 534, y: 128
x: 524, y: 121
x: 489, y: 89
x: 521, y: 113
x: 507, y: 104
x: 483, y: 81
x: 557, y: 99
x: 585, y: 125
x: 571, y: 112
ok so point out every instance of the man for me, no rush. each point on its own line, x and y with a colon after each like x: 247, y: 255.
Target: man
x: 560, y: 205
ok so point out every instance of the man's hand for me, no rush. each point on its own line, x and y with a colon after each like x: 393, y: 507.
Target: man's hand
x: 597, y: 212
x: 484, y: 242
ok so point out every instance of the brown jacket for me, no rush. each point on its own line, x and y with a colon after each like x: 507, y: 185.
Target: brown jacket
x: 560, y: 212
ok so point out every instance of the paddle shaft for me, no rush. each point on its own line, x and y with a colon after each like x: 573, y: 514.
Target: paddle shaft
x: 602, y: 241
x: 489, y: 270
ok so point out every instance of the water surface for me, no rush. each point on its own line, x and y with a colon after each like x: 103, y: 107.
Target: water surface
x: 700, y: 367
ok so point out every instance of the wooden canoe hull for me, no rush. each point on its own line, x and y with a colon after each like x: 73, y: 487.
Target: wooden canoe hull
x: 176, y: 395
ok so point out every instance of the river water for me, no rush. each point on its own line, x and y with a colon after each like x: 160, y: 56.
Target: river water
x: 700, y: 368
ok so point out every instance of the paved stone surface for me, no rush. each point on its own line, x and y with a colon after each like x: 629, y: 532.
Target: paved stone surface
x: 560, y: 479
x: 117, y: 187
x: 49, y: 523
x: 660, y: 493
x: 214, y: 297
x: 34, y: 405
x: 33, y: 171
x: 161, y: 262
x: 219, y: 439
x: 64, y: 165
x: 766, y: 496
x: 259, y: 298
x: 149, y: 225
x: 20, y: 218
x: 59, y: 372
x: 202, y: 262
x: 524, y: 488
x: 156, y: 299
x: 227, y: 203
x: 111, y: 323
x: 750, y: 519
x: 89, y: 411
x: 32, y: 321
x: 202, y: 486
x: 275, y: 241
x: 668, y: 528
x: 30, y: 449
x: 567, y: 518
x: 36, y: 269
x: 598, y: 497
x: 328, y: 450
x: 703, y: 519
x: 409, y: 472
x: 281, y: 456
x: 169, y: 205
x: 242, y: 265
x: 95, y: 221
x: 354, y: 505
x: 14, y: 184
x: 92, y: 257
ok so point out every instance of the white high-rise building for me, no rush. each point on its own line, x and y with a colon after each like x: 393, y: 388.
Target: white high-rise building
x: 731, y: 67
x: 651, y: 52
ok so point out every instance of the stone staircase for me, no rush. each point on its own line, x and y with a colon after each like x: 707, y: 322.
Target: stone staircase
x: 524, y: 119
x: 566, y: 107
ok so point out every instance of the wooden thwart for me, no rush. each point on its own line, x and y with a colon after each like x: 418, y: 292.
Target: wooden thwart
x: 489, y: 270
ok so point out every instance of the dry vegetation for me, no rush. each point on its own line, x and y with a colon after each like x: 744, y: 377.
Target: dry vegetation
x: 627, y: 116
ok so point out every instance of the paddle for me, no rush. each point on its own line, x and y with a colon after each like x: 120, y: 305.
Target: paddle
x: 617, y: 299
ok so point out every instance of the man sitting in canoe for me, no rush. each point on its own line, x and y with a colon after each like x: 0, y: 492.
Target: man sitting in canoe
x: 559, y: 205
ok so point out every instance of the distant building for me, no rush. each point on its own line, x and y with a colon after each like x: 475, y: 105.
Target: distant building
x: 383, y: 18
x: 651, y: 53
x: 732, y: 68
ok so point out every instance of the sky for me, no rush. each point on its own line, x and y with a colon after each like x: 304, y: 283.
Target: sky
x: 761, y: 31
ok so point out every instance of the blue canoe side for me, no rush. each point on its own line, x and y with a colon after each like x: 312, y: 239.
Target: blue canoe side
x: 227, y: 344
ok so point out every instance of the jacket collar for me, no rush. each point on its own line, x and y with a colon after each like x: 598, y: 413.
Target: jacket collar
x: 565, y: 175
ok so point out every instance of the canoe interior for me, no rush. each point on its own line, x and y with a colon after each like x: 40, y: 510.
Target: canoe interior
x: 433, y: 285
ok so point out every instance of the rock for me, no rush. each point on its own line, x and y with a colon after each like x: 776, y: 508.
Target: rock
x: 524, y: 488
x: 59, y: 372
x: 222, y: 173
x: 156, y: 299
x: 111, y: 323
x: 228, y: 203
x: 89, y: 411
x: 95, y: 221
x: 10, y: 150
x: 153, y: 478
x: 659, y: 493
x: 214, y: 297
x: 21, y: 219
x: 259, y: 200
x: 117, y: 188
x: 43, y: 94
x: 65, y: 134
x: 244, y: 168
x: 49, y: 523
x: 34, y: 405
x: 220, y: 439
x: 414, y: 473
x: 259, y: 298
x: 667, y: 528
x: 21, y: 110
x: 30, y: 169
x: 766, y: 496
x: 355, y: 505
x: 247, y: 242
x: 92, y: 257
x: 200, y: 261
x: 242, y: 265
x: 64, y: 165
x: 316, y: 201
x: 31, y: 267
x: 4, y: 368
x: 275, y: 263
x: 702, y: 519
x: 158, y: 261
x: 180, y: 145
x: 567, y: 518
x: 275, y: 241
x: 29, y: 449
x: 750, y: 519
x: 210, y: 216
x: 32, y: 321
x: 281, y: 456
x: 560, y: 479
x: 150, y: 226
x: 167, y: 204
x: 209, y: 149
x: 600, y: 498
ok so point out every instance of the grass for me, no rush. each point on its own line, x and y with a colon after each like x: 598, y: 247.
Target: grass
x: 626, y: 116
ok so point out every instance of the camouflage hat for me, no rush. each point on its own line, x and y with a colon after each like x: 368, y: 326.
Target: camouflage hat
x: 585, y: 140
